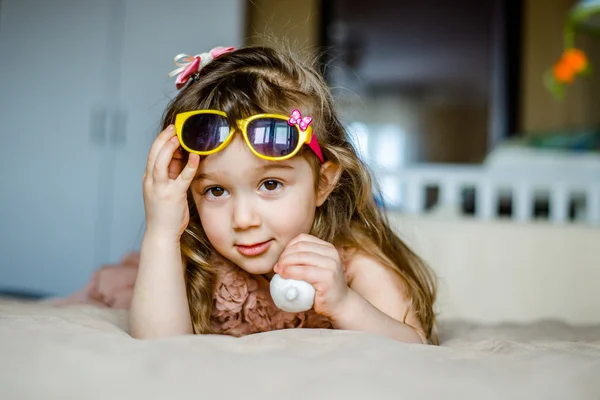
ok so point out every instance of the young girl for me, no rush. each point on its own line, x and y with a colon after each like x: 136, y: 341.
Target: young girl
x: 254, y: 175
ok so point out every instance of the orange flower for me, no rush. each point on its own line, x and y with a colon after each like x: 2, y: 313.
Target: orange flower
x: 576, y: 59
x: 572, y: 61
x: 563, y: 72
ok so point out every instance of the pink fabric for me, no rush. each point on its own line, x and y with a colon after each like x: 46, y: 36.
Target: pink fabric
x: 219, y: 51
x: 183, y: 77
x: 110, y: 286
x: 190, y: 65
x: 242, y: 303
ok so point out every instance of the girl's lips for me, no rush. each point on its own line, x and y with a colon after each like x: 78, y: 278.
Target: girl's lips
x: 253, y: 249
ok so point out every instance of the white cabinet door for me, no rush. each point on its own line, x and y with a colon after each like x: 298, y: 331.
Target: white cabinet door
x: 52, y: 91
x: 155, y: 32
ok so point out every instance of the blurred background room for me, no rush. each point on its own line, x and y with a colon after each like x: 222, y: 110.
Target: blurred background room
x: 455, y: 106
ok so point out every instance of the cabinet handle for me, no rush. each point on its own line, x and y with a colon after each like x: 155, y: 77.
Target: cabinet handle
x: 98, y: 126
x: 118, y: 132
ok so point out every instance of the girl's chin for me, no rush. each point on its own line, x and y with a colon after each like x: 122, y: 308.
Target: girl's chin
x: 258, y: 268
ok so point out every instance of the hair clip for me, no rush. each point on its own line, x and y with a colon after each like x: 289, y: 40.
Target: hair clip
x: 189, y: 65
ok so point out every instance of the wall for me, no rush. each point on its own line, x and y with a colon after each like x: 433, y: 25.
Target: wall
x: 296, y: 21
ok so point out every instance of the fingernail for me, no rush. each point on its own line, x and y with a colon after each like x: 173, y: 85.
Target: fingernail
x: 174, y: 139
x: 170, y: 128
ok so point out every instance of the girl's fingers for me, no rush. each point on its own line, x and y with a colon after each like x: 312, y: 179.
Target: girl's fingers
x: 306, y: 258
x: 189, y: 172
x: 176, y: 165
x: 304, y: 237
x: 160, y: 172
x: 157, y: 146
x: 312, y: 275
x: 308, y: 243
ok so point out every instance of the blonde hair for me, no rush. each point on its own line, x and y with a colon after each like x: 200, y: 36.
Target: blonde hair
x: 262, y: 80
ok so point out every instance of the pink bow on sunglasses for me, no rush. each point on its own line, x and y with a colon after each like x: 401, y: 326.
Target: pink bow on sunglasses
x: 296, y: 118
x: 189, y: 65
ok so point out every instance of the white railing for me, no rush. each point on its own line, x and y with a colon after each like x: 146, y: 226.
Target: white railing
x: 570, y: 197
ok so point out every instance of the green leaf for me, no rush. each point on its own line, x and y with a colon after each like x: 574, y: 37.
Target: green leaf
x: 556, y: 88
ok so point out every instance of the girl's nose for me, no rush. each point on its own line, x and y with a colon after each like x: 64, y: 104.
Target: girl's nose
x: 245, y: 214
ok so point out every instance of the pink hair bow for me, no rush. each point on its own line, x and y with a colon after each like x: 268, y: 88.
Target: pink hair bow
x: 189, y: 65
x: 297, y: 118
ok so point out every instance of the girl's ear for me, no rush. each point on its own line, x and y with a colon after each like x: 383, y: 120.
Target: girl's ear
x: 328, y: 179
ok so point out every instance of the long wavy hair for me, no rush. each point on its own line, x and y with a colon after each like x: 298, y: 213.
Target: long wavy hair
x: 255, y: 80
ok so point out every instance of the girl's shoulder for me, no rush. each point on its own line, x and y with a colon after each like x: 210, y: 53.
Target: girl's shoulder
x: 366, y: 260
x: 379, y: 281
x: 364, y: 263
x: 372, y: 274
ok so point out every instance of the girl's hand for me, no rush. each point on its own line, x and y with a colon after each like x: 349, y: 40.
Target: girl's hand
x: 317, y: 262
x: 165, y: 185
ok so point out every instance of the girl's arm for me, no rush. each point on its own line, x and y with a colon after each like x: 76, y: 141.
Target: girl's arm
x: 159, y: 306
x: 376, y: 302
x: 360, y: 315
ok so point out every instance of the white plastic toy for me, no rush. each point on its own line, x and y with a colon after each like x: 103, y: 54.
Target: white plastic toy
x: 292, y: 295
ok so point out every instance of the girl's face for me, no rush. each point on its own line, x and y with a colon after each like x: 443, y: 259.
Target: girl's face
x: 252, y: 208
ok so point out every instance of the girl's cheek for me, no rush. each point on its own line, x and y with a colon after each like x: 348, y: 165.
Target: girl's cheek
x: 295, y: 215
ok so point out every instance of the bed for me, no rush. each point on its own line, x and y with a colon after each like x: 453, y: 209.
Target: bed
x: 519, y: 318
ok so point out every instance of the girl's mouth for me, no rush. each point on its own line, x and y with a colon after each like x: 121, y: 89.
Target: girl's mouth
x: 255, y: 249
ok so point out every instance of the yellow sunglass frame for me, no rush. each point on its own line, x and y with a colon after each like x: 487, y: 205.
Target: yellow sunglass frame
x: 304, y: 136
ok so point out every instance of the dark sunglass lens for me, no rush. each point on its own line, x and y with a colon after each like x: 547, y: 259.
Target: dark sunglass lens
x: 204, y: 132
x: 272, y: 137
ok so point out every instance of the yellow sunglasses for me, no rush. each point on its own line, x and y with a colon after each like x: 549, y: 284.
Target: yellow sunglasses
x: 272, y: 137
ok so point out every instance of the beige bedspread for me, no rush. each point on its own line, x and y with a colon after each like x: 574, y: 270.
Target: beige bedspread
x: 84, y: 352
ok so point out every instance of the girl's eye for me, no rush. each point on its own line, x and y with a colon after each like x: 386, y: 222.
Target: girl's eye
x: 271, y: 185
x: 215, y: 191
